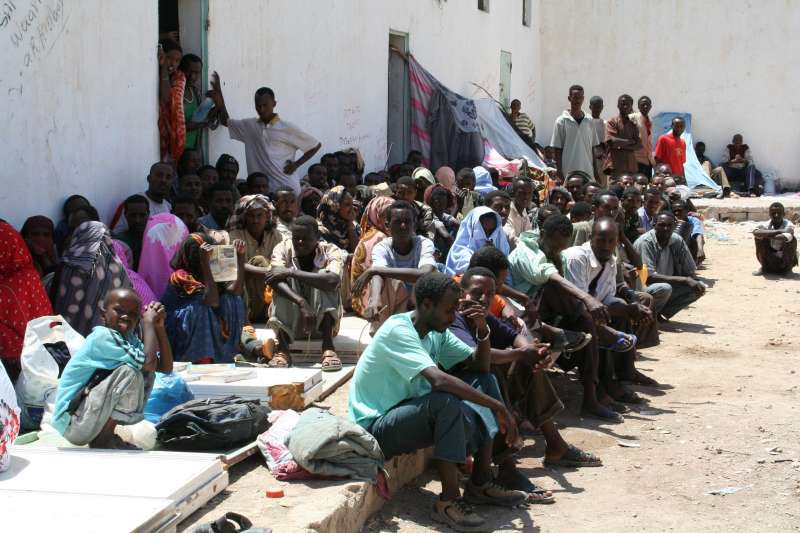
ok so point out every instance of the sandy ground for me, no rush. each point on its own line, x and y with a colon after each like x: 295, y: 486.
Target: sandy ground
x: 732, y: 383
x: 733, y: 378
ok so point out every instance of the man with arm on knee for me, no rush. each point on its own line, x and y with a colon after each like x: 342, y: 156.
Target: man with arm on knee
x: 400, y: 395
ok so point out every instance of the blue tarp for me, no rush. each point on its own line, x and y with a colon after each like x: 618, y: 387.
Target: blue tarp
x: 692, y: 170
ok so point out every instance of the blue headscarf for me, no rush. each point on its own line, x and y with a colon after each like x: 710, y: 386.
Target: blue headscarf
x: 483, y: 181
x: 470, y: 238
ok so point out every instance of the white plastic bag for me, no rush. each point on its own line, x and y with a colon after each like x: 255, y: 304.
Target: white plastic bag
x: 38, y: 381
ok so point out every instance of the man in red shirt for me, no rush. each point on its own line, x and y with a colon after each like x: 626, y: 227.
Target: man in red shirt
x: 671, y: 149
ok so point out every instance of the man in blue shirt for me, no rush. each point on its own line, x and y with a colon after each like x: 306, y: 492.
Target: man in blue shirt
x: 402, y: 397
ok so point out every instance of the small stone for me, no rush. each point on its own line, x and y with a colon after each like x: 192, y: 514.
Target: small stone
x: 761, y: 461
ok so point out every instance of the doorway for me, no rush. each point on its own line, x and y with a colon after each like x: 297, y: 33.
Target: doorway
x: 186, y: 22
x: 505, y: 79
x: 398, y: 124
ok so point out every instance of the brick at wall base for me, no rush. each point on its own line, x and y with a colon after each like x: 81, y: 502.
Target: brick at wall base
x: 362, y: 499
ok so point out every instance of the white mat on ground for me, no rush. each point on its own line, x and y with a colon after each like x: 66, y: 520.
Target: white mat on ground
x: 85, y: 513
x: 187, y: 480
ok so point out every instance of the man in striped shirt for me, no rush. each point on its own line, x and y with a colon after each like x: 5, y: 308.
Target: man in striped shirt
x: 522, y: 121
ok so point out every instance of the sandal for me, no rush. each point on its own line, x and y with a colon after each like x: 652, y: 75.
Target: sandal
x: 623, y: 343
x: 574, y: 457
x: 536, y: 494
x: 229, y: 523
x: 280, y: 360
x: 331, y: 361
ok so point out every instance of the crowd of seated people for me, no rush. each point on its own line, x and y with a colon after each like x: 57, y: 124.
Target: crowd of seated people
x: 473, y: 287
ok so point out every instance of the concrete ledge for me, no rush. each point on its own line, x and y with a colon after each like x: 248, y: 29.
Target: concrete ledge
x: 362, y: 499
x: 742, y: 209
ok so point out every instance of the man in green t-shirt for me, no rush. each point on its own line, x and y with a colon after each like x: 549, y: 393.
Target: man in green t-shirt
x: 407, y: 402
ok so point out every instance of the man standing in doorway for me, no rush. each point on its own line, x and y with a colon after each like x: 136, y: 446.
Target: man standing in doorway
x: 574, y: 137
x: 271, y: 143
x: 644, y: 155
x: 671, y: 149
x: 622, y: 139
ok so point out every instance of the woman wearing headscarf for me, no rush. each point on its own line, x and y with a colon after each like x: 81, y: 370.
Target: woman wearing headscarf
x: 252, y: 223
x: 423, y: 178
x: 335, y: 218
x: 125, y: 256
x: 38, y: 234
x: 373, y: 231
x: 63, y: 231
x: 446, y: 177
x: 163, y: 236
x: 204, y: 318
x: 22, y: 296
x: 480, y: 227
x: 483, y: 181
x: 89, y: 269
x: 171, y: 124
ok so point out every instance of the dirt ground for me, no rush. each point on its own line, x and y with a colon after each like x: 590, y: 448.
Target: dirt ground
x: 727, y: 416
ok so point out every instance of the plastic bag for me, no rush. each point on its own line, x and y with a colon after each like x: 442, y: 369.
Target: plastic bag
x: 38, y: 382
x: 169, y: 390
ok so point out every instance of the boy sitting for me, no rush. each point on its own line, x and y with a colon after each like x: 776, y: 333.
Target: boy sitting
x: 108, y: 381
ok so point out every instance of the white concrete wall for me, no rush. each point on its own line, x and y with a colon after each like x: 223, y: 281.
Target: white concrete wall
x: 731, y: 64
x: 77, y: 103
x: 327, y: 61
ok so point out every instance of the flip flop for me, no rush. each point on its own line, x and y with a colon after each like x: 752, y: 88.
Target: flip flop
x: 280, y: 360
x: 229, y: 523
x: 623, y: 343
x: 331, y: 361
x: 536, y: 494
x: 574, y: 458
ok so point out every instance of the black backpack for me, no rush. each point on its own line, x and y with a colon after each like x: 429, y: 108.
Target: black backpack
x: 212, y: 424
